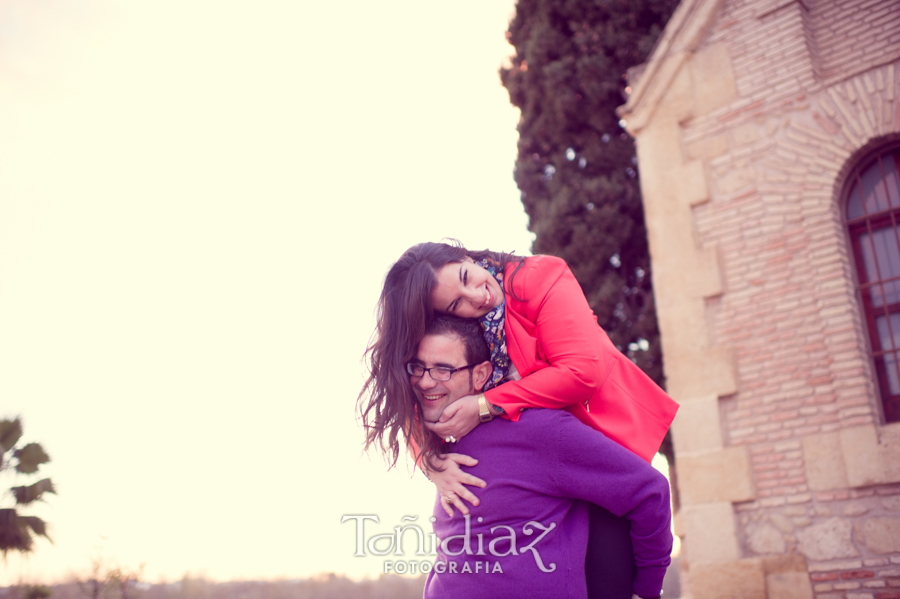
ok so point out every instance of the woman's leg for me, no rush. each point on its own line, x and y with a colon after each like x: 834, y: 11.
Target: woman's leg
x: 609, y: 563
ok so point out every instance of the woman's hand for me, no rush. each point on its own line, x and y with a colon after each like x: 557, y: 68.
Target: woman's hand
x: 457, y: 419
x: 451, y: 482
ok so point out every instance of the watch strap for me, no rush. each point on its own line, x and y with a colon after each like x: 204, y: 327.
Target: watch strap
x: 484, y: 409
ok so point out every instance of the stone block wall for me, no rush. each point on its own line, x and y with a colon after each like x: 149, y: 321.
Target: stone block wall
x: 747, y: 119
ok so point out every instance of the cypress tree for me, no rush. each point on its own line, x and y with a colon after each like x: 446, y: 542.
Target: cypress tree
x: 576, y: 167
x: 17, y: 531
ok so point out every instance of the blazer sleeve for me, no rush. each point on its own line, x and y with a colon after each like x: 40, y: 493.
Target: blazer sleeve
x: 568, y: 339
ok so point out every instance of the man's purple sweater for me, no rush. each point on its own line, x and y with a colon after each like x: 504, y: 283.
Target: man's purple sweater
x: 529, y: 535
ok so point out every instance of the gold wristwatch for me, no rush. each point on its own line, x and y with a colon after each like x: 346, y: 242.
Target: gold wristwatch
x: 484, y: 409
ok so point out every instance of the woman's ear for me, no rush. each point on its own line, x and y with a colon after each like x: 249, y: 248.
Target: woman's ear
x: 481, y: 374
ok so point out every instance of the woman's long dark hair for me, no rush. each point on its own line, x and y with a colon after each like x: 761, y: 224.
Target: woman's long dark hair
x: 387, y: 404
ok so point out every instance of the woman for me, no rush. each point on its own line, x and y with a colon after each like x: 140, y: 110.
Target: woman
x: 546, y: 349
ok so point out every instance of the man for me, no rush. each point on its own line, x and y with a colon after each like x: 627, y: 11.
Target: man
x: 528, y: 535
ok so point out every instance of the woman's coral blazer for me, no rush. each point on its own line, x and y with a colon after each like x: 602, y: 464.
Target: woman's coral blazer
x: 567, y: 361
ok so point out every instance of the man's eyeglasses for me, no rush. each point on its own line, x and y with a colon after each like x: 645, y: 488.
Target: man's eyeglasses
x: 438, y: 373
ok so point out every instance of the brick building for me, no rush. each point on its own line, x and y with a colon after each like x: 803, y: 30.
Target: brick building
x: 768, y: 136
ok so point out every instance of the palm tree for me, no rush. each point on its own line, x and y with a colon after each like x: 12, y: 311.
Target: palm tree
x: 17, y: 532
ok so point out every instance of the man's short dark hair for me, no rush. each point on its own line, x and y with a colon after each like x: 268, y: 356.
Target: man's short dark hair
x: 466, y: 329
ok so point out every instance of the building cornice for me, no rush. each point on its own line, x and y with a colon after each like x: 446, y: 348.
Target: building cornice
x: 683, y: 34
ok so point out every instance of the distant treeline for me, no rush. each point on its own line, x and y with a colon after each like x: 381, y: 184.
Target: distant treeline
x: 324, y: 586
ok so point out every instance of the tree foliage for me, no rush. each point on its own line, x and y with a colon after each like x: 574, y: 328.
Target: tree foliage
x: 322, y: 586
x: 104, y: 582
x: 17, y: 531
x: 576, y: 168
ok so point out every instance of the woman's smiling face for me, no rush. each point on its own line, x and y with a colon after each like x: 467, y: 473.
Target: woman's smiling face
x: 465, y: 289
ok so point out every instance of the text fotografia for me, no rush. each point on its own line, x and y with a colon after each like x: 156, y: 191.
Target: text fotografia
x: 502, y: 542
x: 442, y: 567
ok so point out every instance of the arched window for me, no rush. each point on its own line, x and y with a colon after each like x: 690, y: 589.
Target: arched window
x: 873, y: 214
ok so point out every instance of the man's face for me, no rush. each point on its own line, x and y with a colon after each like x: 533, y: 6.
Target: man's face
x: 447, y: 352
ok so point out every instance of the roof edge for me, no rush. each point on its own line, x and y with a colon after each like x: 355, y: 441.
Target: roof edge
x: 683, y: 34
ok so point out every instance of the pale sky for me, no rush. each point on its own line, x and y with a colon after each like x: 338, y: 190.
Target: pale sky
x: 198, y: 203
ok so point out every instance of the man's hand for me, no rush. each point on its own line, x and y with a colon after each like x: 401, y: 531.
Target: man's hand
x: 451, y: 482
x: 457, y: 419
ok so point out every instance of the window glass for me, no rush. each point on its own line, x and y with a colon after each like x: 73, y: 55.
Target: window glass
x: 882, y: 259
x: 889, y: 337
x: 873, y: 213
x: 854, y: 203
x: 880, y: 188
x: 891, y: 181
x: 875, y: 198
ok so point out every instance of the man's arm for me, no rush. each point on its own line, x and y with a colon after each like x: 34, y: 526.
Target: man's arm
x: 591, y: 467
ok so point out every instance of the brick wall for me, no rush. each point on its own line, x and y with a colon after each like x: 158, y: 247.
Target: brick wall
x: 747, y: 117
x: 837, y: 28
x: 815, y: 83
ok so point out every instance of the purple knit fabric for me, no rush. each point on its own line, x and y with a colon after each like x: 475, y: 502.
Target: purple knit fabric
x: 541, y: 470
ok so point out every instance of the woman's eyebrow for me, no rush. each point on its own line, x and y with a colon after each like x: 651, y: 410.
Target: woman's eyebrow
x: 450, y: 307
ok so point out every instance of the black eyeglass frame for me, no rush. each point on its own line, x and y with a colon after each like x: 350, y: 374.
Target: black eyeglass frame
x: 412, y: 365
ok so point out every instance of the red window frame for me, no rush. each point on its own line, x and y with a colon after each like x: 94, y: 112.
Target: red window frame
x: 874, y: 218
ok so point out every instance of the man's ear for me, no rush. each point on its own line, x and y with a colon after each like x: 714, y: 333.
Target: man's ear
x: 481, y: 374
